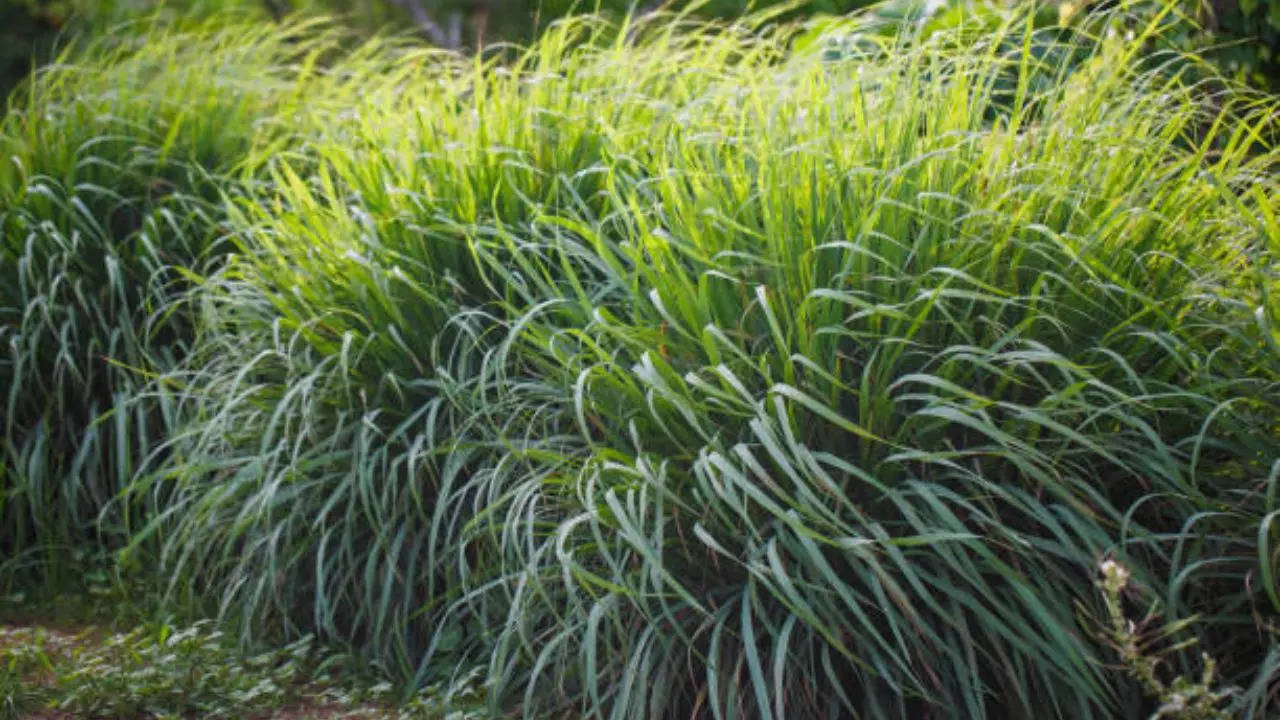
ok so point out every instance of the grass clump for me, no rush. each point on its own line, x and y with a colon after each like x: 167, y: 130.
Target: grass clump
x: 114, y: 162
x: 663, y: 369
x: 672, y: 373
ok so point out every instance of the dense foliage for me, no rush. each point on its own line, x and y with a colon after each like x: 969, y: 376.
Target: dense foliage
x: 666, y: 369
x: 109, y: 199
x: 1245, y: 38
x: 1240, y: 36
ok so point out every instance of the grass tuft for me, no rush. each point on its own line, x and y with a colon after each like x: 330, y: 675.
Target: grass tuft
x: 115, y: 161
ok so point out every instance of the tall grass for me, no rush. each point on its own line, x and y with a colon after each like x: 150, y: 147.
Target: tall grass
x: 114, y: 162
x: 669, y: 373
x: 660, y: 369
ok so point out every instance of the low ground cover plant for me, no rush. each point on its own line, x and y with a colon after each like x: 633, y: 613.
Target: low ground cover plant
x: 669, y: 369
x: 159, y: 670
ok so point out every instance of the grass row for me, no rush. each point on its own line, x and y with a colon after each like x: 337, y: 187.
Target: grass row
x: 662, y: 369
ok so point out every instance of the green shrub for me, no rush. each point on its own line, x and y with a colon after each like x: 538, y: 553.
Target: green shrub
x: 672, y: 373
x: 1243, y: 36
x: 1240, y: 37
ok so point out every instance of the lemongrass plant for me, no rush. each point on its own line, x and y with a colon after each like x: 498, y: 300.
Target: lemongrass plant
x: 672, y: 373
x: 114, y: 162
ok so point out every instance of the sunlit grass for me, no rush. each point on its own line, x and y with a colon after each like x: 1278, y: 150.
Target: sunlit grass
x: 115, y: 161
x: 672, y: 373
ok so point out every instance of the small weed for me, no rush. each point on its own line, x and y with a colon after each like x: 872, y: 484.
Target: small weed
x: 1181, y: 698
